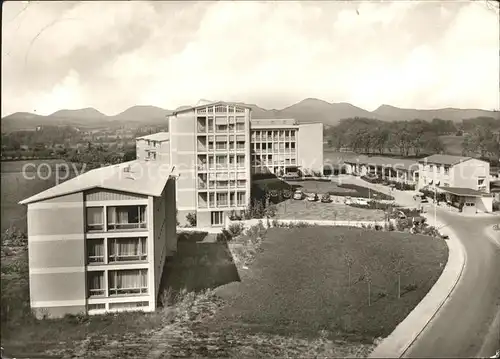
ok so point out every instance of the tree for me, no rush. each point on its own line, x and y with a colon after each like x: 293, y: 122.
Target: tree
x: 349, y: 261
x: 368, y: 279
x: 397, y: 265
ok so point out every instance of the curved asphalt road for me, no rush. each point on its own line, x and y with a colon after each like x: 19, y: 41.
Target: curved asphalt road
x: 468, y: 324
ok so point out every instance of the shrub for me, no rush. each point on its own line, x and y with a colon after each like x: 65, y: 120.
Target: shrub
x: 378, y: 227
x: 191, y: 219
x: 234, y: 216
x: 224, y: 236
x: 235, y: 229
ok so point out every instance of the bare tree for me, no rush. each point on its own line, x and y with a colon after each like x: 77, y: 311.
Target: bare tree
x: 397, y: 264
x: 349, y: 261
x: 368, y: 279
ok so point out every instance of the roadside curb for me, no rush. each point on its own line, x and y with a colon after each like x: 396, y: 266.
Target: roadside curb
x: 407, y: 332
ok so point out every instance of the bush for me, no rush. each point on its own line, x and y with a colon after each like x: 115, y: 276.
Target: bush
x: 235, y: 229
x: 234, y: 216
x: 224, y: 236
x: 191, y: 218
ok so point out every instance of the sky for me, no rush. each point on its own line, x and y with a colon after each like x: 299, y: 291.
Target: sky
x: 114, y: 55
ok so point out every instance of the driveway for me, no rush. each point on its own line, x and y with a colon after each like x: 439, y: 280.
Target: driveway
x: 468, y: 325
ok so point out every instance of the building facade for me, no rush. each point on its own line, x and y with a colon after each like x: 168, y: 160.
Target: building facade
x: 391, y: 169
x: 464, y: 180
x: 98, y: 242
x: 454, y: 171
x: 210, y: 147
x: 155, y: 147
x: 282, y: 145
x: 216, y: 147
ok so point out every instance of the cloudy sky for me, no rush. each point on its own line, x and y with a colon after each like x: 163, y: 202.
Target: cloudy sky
x: 113, y: 55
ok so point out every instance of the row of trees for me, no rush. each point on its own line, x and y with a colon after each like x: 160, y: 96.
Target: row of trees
x: 415, y: 137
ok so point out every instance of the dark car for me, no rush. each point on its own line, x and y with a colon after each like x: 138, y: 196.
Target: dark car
x: 325, y: 198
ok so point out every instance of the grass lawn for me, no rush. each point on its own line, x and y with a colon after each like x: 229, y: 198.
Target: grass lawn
x: 295, y: 209
x: 337, y: 189
x: 299, y: 285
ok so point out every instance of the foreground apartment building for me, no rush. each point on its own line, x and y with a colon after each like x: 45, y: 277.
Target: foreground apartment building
x: 216, y: 147
x: 99, y: 241
x: 465, y: 180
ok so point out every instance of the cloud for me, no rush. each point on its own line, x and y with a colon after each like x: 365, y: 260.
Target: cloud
x: 113, y: 55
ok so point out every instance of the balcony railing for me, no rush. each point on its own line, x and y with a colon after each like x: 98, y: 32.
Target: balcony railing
x: 118, y: 226
x: 202, y: 128
x: 202, y: 185
x: 222, y: 203
x: 202, y: 167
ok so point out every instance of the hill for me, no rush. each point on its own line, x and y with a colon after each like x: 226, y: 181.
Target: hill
x: 308, y: 110
x: 391, y: 113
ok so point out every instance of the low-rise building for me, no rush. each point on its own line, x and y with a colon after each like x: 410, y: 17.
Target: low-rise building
x: 464, y: 180
x: 390, y: 169
x: 98, y: 242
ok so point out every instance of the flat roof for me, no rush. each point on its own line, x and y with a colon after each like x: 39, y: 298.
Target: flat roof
x: 444, y: 159
x: 396, y: 163
x: 137, y: 176
x: 269, y: 122
x: 159, y: 136
x: 204, y: 104
x: 466, y: 192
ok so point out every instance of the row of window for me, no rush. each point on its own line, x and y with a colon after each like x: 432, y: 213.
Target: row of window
x: 263, y: 135
x: 117, y: 249
x: 119, y: 282
x: 220, y: 109
x: 117, y: 218
x: 221, y: 146
x: 438, y: 168
x: 122, y: 305
x: 221, y: 184
x: 220, y: 161
x: 225, y: 199
x: 277, y: 146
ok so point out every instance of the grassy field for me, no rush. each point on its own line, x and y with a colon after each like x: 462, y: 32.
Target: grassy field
x: 305, y: 210
x: 339, y: 189
x: 299, y: 285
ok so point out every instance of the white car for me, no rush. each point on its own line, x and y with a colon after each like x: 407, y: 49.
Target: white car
x: 496, y: 355
x: 312, y: 197
x: 298, y: 195
x: 348, y: 200
x: 362, y: 202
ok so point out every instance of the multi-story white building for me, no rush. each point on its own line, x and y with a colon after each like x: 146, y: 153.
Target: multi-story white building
x: 99, y: 241
x: 280, y: 145
x: 154, y: 147
x: 216, y: 146
x: 466, y: 180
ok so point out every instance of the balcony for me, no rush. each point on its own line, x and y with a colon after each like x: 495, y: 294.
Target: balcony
x: 202, y: 167
x: 127, y: 249
x: 127, y: 282
x: 202, y: 185
x: 201, y: 128
x: 126, y: 218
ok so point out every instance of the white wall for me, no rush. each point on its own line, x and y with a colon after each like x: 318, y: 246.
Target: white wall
x: 310, y: 146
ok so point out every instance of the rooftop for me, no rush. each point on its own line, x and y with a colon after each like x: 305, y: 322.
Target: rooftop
x: 461, y: 191
x: 444, y: 159
x: 203, y: 103
x: 396, y: 163
x: 140, y: 177
x: 159, y: 136
x: 268, y: 122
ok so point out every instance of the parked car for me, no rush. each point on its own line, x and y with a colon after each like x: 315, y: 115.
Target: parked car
x: 496, y: 355
x: 348, y: 200
x: 362, y: 201
x: 312, y: 197
x: 298, y: 195
x: 290, y: 176
x: 325, y: 198
x: 420, y: 197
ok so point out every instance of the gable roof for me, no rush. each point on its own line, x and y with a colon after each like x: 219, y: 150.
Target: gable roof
x: 159, y: 136
x: 444, y: 159
x: 210, y: 104
x: 140, y: 177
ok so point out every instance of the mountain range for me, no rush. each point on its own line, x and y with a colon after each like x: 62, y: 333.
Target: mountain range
x: 308, y: 110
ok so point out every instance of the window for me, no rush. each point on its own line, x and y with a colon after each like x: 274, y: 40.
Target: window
x: 95, y: 218
x: 232, y: 199
x: 128, y: 305
x: 95, y: 251
x: 126, y: 217
x: 151, y: 155
x: 96, y: 306
x: 221, y: 162
x: 241, y: 161
x: 216, y: 218
x: 128, y: 281
x: 222, y: 184
x: 95, y: 284
x: 446, y: 170
x: 127, y: 249
x: 210, y: 124
x: 241, y: 198
x: 220, y: 109
x: 480, y: 181
x: 240, y: 127
x: 221, y: 145
x: 241, y: 183
x: 211, y: 198
x: 222, y: 199
x: 221, y: 128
